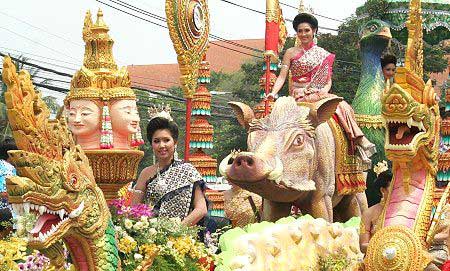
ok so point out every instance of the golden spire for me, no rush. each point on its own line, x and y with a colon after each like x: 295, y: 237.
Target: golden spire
x: 98, y: 48
x: 99, y: 78
x: 414, y: 49
x: 304, y: 9
x: 301, y: 7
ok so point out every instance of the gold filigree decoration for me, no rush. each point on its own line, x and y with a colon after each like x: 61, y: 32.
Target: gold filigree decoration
x: 272, y: 11
x: 349, y: 169
x: 99, y: 78
x: 370, y: 121
x: 414, y: 48
x: 422, y: 223
x: 29, y: 116
x: 114, y: 169
x: 396, y: 248
x: 437, y: 220
x: 188, y: 22
x: 396, y: 103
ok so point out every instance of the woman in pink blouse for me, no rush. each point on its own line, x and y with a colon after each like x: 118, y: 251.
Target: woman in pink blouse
x: 311, y: 68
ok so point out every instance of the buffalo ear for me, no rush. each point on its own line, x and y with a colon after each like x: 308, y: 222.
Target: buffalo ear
x: 243, y: 112
x: 324, y: 109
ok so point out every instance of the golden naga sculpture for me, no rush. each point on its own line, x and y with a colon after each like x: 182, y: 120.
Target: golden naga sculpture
x: 188, y: 22
x: 412, y: 120
x: 56, y: 183
x: 102, y: 111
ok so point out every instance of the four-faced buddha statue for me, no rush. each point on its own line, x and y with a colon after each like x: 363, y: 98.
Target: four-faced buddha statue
x: 101, y: 106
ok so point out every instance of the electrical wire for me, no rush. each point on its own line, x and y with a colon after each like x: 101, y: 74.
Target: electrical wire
x: 36, y: 42
x: 319, y: 15
x: 289, y: 20
x: 162, y: 19
x: 41, y: 29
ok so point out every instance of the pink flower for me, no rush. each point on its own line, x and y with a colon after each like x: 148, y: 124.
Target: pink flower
x: 134, y: 211
x: 139, y: 210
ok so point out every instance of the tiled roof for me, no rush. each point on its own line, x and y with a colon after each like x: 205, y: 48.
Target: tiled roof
x: 163, y: 76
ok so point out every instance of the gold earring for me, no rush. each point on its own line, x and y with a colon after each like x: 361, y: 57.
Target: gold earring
x: 383, y: 199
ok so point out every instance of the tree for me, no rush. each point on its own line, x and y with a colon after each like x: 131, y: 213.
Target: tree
x: 52, y: 104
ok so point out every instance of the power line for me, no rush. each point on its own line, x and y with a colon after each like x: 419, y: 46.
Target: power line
x: 244, y: 7
x: 44, y: 57
x: 38, y: 66
x: 33, y: 41
x: 160, y: 18
x: 137, y: 87
x: 60, y: 37
x: 237, y: 50
x: 326, y: 17
x: 63, y: 90
x: 289, y: 20
x: 143, y: 12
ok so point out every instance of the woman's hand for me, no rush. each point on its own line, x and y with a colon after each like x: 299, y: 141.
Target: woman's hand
x: 270, y: 95
x: 200, y: 209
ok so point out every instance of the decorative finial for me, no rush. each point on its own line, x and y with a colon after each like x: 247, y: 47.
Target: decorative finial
x: 100, y: 23
x: 304, y: 9
x: 160, y: 111
x: 99, y: 78
x: 380, y: 167
x: 87, y: 25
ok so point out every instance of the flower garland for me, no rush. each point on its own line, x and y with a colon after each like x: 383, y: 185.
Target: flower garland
x: 149, y: 243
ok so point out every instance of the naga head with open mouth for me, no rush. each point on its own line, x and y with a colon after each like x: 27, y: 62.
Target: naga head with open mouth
x: 62, y: 195
x: 55, y: 181
x: 412, y: 122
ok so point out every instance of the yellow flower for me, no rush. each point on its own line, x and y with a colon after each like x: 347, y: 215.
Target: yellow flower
x: 182, y: 244
x: 127, y: 244
x: 148, y: 250
x: 10, y: 251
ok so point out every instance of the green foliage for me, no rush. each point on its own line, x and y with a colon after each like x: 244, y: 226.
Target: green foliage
x: 377, y: 9
x: 243, y: 86
x: 52, y: 104
x: 168, y: 263
x: 434, y: 59
x: 333, y: 263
